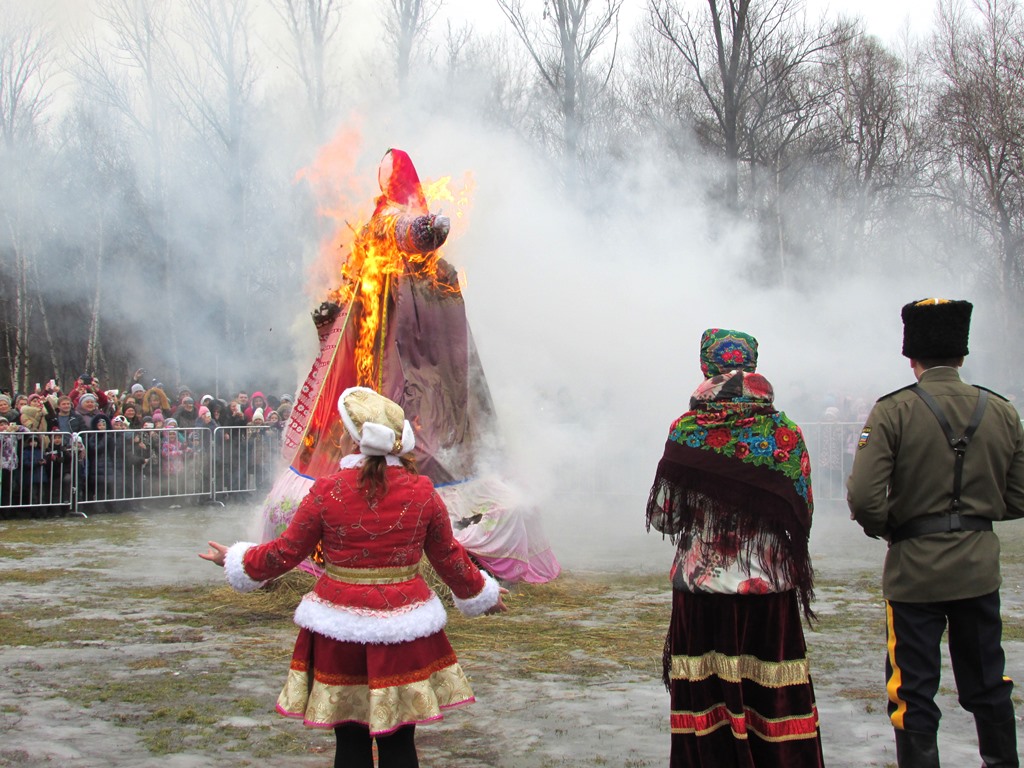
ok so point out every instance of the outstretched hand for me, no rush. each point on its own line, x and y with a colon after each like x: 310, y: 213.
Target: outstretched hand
x: 216, y: 553
x: 498, y: 607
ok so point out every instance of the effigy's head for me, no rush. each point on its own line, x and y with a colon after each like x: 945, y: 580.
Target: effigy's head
x: 936, y: 328
x: 399, y: 181
x: 722, y: 350
x: 377, y: 424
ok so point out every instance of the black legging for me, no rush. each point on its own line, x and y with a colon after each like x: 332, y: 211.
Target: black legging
x: 355, y: 747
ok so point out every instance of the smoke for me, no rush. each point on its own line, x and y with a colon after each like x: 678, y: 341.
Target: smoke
x: 588, y: 324
x: 586, y: 307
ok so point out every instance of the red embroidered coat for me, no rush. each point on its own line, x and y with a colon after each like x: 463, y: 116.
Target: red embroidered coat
x: 371, y: 590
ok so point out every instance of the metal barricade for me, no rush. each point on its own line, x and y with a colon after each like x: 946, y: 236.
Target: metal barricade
x: 37, y: 472
x: 60, y: 472
x: 832, y: 446
x: 47, y: 473
x: 247, y: 459
x: 123, y: 466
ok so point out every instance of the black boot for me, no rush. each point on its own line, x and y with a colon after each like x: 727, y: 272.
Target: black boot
x: 997, y: 743
x: 915, y: 749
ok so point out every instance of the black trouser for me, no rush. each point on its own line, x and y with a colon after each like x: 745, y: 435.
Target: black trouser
x: 355, y: 747
x: 913, y: 662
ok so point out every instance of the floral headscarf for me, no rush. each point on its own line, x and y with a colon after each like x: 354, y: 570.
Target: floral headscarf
x: 723, y: 350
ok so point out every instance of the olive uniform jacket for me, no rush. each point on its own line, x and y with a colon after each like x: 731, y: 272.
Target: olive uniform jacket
x: 904, y: 469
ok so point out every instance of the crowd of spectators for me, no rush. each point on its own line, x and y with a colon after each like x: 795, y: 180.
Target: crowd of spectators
x: 111, y: 447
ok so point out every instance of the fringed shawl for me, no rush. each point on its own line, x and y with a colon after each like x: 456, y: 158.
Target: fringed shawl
x: 733, y: 464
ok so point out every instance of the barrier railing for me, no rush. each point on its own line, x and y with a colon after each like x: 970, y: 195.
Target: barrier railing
x: 56, y: 472
x: 199, y: 463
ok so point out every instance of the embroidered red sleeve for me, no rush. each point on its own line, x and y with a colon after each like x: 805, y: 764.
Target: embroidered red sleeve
x: 449, y: 558
x: 295, y: 544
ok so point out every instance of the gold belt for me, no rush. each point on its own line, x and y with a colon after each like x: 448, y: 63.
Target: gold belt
x: 391, y: 575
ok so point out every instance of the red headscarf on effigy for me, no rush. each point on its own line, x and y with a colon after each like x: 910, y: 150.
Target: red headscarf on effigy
x: 400, y: 184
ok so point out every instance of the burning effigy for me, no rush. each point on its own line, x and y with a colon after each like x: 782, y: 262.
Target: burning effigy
x: 397, y: 324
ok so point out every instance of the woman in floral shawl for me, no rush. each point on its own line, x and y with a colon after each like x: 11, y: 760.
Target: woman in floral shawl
x: 733, y: 490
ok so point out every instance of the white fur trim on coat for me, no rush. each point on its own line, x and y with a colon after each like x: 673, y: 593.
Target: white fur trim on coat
x: 234, y: 571
x: 334, y: 621
x: 488, y: 598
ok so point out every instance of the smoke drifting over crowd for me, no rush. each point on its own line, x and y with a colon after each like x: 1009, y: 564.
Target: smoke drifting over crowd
x: 168, y: 223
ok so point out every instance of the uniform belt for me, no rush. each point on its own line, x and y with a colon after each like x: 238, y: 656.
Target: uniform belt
x: 389, y: 575
x: 952, y: 521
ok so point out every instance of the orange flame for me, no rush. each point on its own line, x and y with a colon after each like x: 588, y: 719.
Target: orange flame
x: 375, y: 260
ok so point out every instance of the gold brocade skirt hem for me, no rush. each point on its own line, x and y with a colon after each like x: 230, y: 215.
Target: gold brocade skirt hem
x: 382, y: 686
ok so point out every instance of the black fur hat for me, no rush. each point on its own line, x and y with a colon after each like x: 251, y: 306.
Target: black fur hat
x: 936, y: 328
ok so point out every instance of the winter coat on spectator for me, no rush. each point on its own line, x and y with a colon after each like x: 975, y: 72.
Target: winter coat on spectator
x: 80, y: 389
x: 131, y: 413
x: 8, y: 451
x: 33, y: 419
x: 172, y: 452
x: 258, y: 400
x: 186, y: 414
x: 148, y: 405
x: 98, y: 457
x: 6, y: 404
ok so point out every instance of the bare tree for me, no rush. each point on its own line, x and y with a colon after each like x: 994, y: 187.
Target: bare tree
x: 312, y: 25
x: 405, y: 25
x: 655, y: 91
x: 980, y: 121
x: 123, y: 63
x: 564, y: 45
x: 742, y: 56
x: 874, y: 117
x: 214, y: 84
x: 27, y: 65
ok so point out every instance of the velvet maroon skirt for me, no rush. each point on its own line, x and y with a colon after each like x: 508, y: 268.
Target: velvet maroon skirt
x: 736, y: 667
x: 382, y: 686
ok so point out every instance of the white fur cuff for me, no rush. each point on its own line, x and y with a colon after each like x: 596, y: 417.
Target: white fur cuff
x: 234, y: 571
x: 488, y: 598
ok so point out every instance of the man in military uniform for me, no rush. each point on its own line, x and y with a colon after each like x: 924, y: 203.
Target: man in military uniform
x: 936, y: 464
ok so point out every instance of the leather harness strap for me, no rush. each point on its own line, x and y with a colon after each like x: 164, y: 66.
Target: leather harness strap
x: 952, y: 520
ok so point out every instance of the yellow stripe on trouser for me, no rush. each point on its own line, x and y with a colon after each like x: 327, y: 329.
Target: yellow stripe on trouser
x: 892, y: 686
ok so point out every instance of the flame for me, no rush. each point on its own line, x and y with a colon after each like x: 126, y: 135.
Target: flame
x: 373, y: 258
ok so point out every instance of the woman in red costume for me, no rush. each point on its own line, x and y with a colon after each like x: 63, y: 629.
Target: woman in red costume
x: 371, y: 659
x: 398, y: 325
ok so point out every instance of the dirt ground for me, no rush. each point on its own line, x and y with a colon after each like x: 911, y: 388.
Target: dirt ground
x: 120, y: 648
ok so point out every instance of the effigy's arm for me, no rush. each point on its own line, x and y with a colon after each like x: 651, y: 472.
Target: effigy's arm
x: 414, y: 233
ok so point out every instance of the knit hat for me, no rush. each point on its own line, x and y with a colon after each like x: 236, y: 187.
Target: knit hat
x: 6, y: 398
x: 158, y: 415
x: 936, y: 328
x: 136, y: 388
x: 171, y: 422
x: 723, y: 350
x: 86, y: 397
x: 203, y: 411
x: 377, y: 424
x: 257, y: 414
x: 120, y: 420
